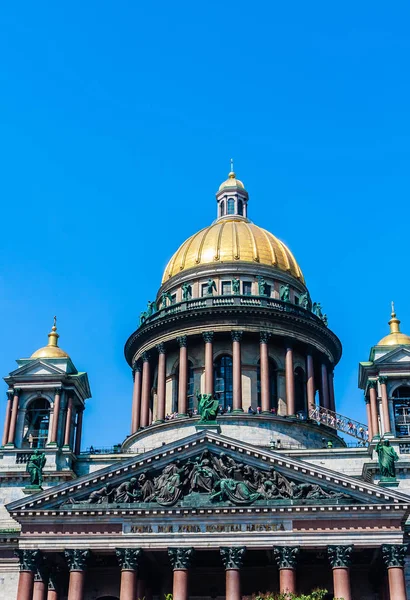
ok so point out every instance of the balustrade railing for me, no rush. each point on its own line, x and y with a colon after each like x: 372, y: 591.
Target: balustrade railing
x: 340, y: 423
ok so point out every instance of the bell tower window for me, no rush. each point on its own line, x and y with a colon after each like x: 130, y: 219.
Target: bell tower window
x: 240, y: 207
x: 222, y: 208
x: 231, y: 206
x: 401, y: 403
x: 36, y: 424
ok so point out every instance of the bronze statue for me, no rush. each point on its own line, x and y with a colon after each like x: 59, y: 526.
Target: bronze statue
x: 261, y: 286
x: 163, y: 300
x: 387, y: 457
x: 35, y: 466
x: 210, y: 287
x: 305, y: 301
x: 186, y: 291
x: 208, y: 407
x: 236, y: 284
x: 317, y: 309
x: 285, y: 293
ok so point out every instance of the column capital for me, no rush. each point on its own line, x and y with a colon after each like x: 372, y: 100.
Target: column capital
x: 160, y: 348
x: 182, y: 341
x: 136, y: 366
x: 236, y: 336
x: 366, y: 399
x: 16, y: 391
x: 372, y: 384
x: 394, y: 555
x: 128, y: 558
x: 264, y: 336
x: 58, y: 390
x: 146, y: 357
x: 77, y: 559
x: 232, y: 557
x: 208, y: 336
x: 10, y: 394
x: 286, y: 556
x: 339, y: 556
x: 29, y: 559
x: 180, y: 558
x: 382, y: 380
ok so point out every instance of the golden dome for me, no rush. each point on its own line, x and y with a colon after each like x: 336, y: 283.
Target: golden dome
x: 231, y: 182
x: 395, y: 337
x: 51, y: 350
x: 232, y: 239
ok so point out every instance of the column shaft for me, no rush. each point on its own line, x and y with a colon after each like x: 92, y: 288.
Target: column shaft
x: 209, y: 367
x: 128, y: 588
x: 13, y: 420
x: 237, y: 372
x: 180, y: 585
x: 397, y: 583
x: 25, y: 586
x: 76, y: 585
x: 161, y: 386
x: 290, y: 383
x: 369, y: 419
x: 264, y: 369
x: 233, y: 584
x: 136, y: 401
x: 145, y: 393
x: 52, y: 595
x: 56, y: 414
x: 7, y: 421
x: 385, y: 409
x: 78, y: 432
x: 287, y: 581
x: 341, y: 583
x: 310, y: 382
x: 325, y: 387
x: 183, y: 379
x: 68, y: 419
x: 373, y: 411
x: 332, y: 404
x: 40, y: 590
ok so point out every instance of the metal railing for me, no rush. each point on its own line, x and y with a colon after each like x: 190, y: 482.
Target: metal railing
x: 339, y: 422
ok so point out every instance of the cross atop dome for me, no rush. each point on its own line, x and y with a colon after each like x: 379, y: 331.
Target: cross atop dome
x: 232, y: 197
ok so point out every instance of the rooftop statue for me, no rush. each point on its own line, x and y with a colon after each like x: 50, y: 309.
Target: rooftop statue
x: 186, y: 291
x: 35, y: 466
x: 210, y: 287
x: 305, y: 301
x: 387, y: 457
x: 163, y: 300
x: 285, y: 293
x: 261, y: 286
x: 236, y: 284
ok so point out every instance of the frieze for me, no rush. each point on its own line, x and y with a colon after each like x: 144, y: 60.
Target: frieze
x: 206, y: 527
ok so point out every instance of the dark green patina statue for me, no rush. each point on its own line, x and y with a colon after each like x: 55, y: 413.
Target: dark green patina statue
x: 208, y: 407
x: 35, y: 466
x: 285, y: 293
x: 261, y: 286
x: 236, y: 286
x: 186, y: 291
x: 387, y: 457
x: 210, y: 287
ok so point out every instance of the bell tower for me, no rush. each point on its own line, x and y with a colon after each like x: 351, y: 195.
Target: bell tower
x: 232, y: 198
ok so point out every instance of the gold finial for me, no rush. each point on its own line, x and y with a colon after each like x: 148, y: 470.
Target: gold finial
x: 53, y: 335
x: 232, y: 173
x: 394, y: 321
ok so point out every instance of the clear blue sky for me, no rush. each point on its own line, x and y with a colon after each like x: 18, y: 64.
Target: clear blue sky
x: 118, y: 120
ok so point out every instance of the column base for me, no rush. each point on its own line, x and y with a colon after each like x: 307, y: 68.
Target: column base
x: 235, y: 411
x: 9, y: 445
x: 159, y: 421
x: 181, y: 415
x: 388, y: 434
x: 375, y: 438
x: 51, y: 445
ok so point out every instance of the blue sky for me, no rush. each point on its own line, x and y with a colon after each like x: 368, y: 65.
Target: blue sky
x: 117, y: 123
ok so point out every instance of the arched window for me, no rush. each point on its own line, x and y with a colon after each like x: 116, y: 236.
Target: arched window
x: 300, y: 390
x: 36, y: 424
x: 401, y: 402
x: 273, y: 384
x: 231, y: 206
x: 240, y: 207
x: 190, y: 388
x: 223, y: 380
x: 222, y: 208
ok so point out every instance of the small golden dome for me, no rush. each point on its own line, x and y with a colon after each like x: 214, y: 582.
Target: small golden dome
x: 231, y: 182
x: 232, y: 239
x: 395, y: 337
x: 51, y: 350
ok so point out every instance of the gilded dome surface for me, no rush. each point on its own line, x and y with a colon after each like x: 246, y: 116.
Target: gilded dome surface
x: 52, y: 350
x: 395, y: 337
x: 232, y: 239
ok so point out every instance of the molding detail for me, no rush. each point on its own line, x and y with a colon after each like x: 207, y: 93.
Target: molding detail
x: 286, y: 556
x: 236, y: 336
x: 128, y: 558
x: 181, y: 558
x: 339, y: 556
x: 77, y: 559
x: 394, y: 555
x: 232, y: 557
x: 29, y: 559
x: 208, y: 336
x: 145, y: 357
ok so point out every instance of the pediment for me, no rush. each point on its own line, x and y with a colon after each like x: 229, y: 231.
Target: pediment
x: 37, y: 368
x: 203, y: 471
x: 398, y: 355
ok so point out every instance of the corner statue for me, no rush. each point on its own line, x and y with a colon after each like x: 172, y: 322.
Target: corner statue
x: 208, y: 407
x: 35, y: 467
x: 387, y: 458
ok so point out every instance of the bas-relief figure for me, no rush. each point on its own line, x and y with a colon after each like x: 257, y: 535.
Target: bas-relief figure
x: 216, y: 478
x: 387, y: 456
x: 35, y: 466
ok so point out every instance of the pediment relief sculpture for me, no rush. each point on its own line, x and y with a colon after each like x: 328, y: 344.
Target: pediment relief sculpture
x: 206, y: 480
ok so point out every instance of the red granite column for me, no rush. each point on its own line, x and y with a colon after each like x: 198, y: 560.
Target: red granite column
x: 52, y: 588
x: 233, y: 559
x: 286, y: 559
x: 183, y: 376
x: 128, y: 559
x: 237, y: 371
x: 8, y: 418
x: 146, y: 390
x: 332, y: 404
x: 209, y: 362
x: 310, y: 382
x: 78, y: 433
x: 29, y: 561
x: 325, y: 387
x: 369, y: 418
x: 136, y: 397
x: 40, y: 590
x: 56, y: 414
x: 52, y: 594
x: 161, y: 383
x: 264, y: 371
x: 13, y: 420
x: 181, y: 560
x: 340, y: 557
x: 385, y: 406
x: 373, y: 408
x: 290, y: 383
x: 394, y: 556
x: 68, y: 419
x: 77, y: 562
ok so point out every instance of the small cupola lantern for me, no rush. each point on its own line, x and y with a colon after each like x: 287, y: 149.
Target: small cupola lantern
x: 232, y: 198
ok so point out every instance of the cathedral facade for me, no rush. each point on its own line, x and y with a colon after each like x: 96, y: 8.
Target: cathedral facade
x: 236, y: 477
